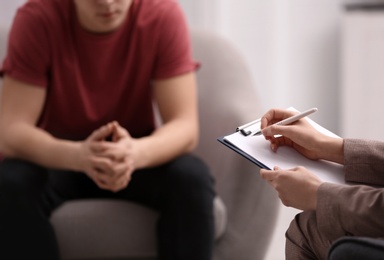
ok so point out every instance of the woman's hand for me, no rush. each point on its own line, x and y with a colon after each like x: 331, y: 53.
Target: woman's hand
x: 300, y: 135
x: 296, y: 187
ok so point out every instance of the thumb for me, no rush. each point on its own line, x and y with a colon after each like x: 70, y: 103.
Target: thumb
x: 268, y: 175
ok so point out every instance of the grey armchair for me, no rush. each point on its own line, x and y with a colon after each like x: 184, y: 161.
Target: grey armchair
x: 245, y: 208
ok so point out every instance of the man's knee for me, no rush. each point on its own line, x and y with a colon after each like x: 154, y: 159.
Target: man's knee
x: 189, y: 172
x: 20, y: 179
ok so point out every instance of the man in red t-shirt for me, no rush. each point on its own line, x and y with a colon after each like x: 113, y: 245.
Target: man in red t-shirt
x: 79, y: 82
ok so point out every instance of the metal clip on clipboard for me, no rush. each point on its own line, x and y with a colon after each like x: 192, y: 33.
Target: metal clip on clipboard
x: 250, y: 128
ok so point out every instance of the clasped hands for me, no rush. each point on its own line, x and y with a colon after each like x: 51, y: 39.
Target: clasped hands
x: 109, y: 163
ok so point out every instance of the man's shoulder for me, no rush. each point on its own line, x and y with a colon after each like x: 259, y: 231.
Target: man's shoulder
x: 156, y: 7
x: 157, y: 3
x: 48, y: 11
x: 151, y: 13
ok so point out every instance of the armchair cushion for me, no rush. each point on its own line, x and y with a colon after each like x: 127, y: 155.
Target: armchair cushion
x: 101, y: 228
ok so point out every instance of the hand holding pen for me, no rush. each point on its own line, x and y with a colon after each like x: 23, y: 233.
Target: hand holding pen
x: 277, y: 128
x: 288, y: 120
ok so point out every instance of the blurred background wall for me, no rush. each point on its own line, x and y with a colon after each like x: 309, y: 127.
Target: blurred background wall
x: 7, y: 11
x: 291, y: 46
x: 296, y: 51
x: 308, y: 53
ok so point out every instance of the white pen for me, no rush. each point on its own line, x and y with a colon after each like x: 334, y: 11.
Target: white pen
x: 291, y: 119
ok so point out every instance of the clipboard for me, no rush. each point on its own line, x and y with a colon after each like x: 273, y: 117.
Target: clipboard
x: 249, y: 128
x: 257, y: 150
x: 246, y: 130
x: 242, y: 153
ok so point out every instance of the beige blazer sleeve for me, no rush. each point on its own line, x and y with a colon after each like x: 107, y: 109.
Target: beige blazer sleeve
x: 355, y: 209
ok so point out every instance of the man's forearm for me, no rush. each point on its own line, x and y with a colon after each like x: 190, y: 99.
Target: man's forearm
x: 27, y: 142
x: 166, y: 143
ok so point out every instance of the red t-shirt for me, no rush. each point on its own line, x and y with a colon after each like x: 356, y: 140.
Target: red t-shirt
x: 92, y: 79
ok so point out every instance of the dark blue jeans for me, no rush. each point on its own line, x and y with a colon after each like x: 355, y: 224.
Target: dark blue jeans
x: 182, y: 191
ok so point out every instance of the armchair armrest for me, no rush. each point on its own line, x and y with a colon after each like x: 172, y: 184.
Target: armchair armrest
x: 228, y: 99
